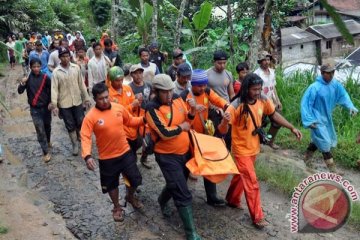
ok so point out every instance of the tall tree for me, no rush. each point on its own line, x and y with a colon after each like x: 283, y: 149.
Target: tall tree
x: 154, y: 22
x: 263, y: 7
x: 231, y: 28
x: 179, y: 23
x: 115, y: 6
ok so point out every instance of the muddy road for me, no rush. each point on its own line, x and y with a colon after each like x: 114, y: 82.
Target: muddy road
x: 72, y: 193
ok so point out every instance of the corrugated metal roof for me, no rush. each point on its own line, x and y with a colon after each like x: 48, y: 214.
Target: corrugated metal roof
x: 295, y: 35
x: 345, y: 5
x: 329, y: 30
x: 354, y: 57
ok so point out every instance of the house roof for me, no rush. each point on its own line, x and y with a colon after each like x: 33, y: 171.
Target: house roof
x: 329, y: 30
x: 295, y: 18
x: 354, y: 57
x: 345, y: 5
x: 295, y: 35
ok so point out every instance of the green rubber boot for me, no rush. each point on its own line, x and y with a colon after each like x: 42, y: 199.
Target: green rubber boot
x: 186, y: 216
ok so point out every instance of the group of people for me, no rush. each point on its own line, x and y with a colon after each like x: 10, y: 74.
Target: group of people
x: 132, y: 102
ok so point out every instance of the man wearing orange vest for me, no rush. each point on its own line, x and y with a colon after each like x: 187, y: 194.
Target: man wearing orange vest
x: 203, y: 96
x: 107, y: 120
x: 123, y: 95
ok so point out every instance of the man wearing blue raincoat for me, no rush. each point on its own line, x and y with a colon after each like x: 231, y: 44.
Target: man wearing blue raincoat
x: 317, y: 106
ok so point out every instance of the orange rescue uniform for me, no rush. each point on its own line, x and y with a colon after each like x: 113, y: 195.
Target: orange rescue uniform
x: 245, y: 147
x: 209, y: 96
x: 108, y: 126
x: 171, y: 140
x: 126, y: 98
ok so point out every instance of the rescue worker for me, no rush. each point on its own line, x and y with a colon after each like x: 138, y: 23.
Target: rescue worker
x: 106, y: 120
x: 203, y: 97
x: 249, y: 107
x: 168, y: 117
x: 317, y: 105
x: 123, y: 95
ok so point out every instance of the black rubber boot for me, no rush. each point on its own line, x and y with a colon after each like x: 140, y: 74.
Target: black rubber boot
x: 163, y: 200
x: 211, y: 195
x: 187, y: 218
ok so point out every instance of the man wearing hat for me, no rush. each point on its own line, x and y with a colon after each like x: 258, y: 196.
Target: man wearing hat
x: 123, y: 95
x: 41, y: 54
x: 221, y: 81
x: 68, y: 94
x: 317, y: 105
x: 156, y: 56
x: 168, y: 117
x: 267, y: 74
x: 204, y: 96
x: 142, y: 91
x: 183, y: 76
x: 177, y: 60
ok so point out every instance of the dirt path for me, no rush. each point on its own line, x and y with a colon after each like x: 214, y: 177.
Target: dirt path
x: 65, y: 186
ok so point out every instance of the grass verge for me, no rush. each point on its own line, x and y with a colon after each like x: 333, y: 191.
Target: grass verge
x: 291, y: 90
x: 2, y: 69
x: 3, y: 230
x: 355, y: 215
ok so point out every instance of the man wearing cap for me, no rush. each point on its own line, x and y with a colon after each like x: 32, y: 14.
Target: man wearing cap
x: 183, y: 76
x: 107, y: 120
x: 142, y: 91
x: 150, y: 69
x: 221, y: 81
x: 68, y: 94
x: 204, y: 96
x: 54, y: 59
x: 168, y: 117
x: 317, y: 105
x: 177, y: 60
x: 267, y: 74
x: 156, y: 56
x: 41, y: 54
x: 123, y: 95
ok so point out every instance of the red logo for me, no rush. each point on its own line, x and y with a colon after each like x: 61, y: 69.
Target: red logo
x: 325, y: 206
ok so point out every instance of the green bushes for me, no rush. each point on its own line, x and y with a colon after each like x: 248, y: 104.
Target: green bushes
x: 291, y: 90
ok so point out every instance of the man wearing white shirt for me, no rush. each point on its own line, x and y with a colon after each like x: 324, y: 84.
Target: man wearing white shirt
x: 267, y: 74
x: 98, y: 67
